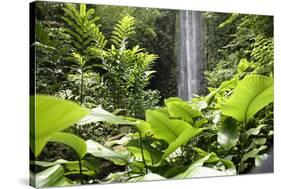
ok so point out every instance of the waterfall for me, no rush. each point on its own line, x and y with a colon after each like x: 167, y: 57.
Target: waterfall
x: 191, y: 54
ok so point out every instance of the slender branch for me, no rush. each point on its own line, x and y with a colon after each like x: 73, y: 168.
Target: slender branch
x: 63, y: 86
x: 143, y: 160
x: 81, y: 102
x: 80, y: 171
x: 81, y: 89
x: 242, y: 149
x: 128, y: 171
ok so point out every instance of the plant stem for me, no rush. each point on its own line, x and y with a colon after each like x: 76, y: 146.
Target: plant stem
x: 81, y: 87
x: 80, y: 171
x: 128, y: 171
x: 63, y: 86
x: 143, y: 160
x: 81, y: 102
x: 242, y: 148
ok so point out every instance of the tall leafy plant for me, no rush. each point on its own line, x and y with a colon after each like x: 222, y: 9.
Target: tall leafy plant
x: 85, y: 42
x: 128, y: 70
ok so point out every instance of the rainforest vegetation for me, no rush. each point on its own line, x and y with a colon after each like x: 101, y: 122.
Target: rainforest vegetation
x: 106, y: 109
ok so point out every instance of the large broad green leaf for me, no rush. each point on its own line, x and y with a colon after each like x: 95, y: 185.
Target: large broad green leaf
x: 194, y: 168
x: 253, y: 153
x: 124, y: 140
x: 52, y: 115
x: 72, y: 167
x: 229, y: 166
x: 172, y: 99
x: 200, y: 122
x: 100, y: 115
x: 77, y: 172
x: 197, y: 169
x: 57, y: 162
x: 120, y: 177
x: 256, y: 130
x: 182, y: 110
x: 52, y: 176
x: 123, y: 177
x: 147, y: 177
x: 174, y: 132
x: 143, y: 127
x: 251, y: 94
x: 116, y: 177
x: 259, y: 160
x: 256, y: 142
x: 75, y: 142
x: 226, y: 85
x: 151, y: 154
x: 183, y: 138
x: 98, y: 150
x: 228, y: 134
x: 164, y: 128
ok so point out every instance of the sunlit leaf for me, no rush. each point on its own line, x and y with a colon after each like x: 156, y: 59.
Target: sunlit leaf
x: 143, y: 127
x: 53, y: 115
x: 163, y: 127
x: 174, y: 132
x: 253, y: 153
x: 194, y: 168
x: 256, y: 130
x: 57, y: 162
x: 97, y: 150
x: 197, y: 168
x: 200, y: 122
x: 182, y: 110
x: 251, y: 94
x: 100, y: 115
x: 151, y: 154
x: 183, y: 138
x: 243, y: 66
x: 260, y: 159
x: 75, y: 142
x: 52, y: 176
x: 256, y: 142
x: 147, y: 177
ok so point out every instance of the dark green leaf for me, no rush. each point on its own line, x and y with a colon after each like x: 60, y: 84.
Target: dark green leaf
x: 228, y: 134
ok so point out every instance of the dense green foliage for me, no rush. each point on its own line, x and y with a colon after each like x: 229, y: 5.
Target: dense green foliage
x: 230, y: 38
x: 78, y: 57
x: 94, y: 60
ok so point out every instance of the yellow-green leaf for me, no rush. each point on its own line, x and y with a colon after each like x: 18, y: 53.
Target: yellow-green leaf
x: 75, y: 142
x: 251, y: 94
x: 52, y: 115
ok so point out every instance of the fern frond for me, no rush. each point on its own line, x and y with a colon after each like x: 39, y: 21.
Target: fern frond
x: 82, y: 10
x: 82, y: 29
x: 124, y: 29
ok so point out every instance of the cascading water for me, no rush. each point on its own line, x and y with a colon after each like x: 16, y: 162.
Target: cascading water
x: 191, y: 54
